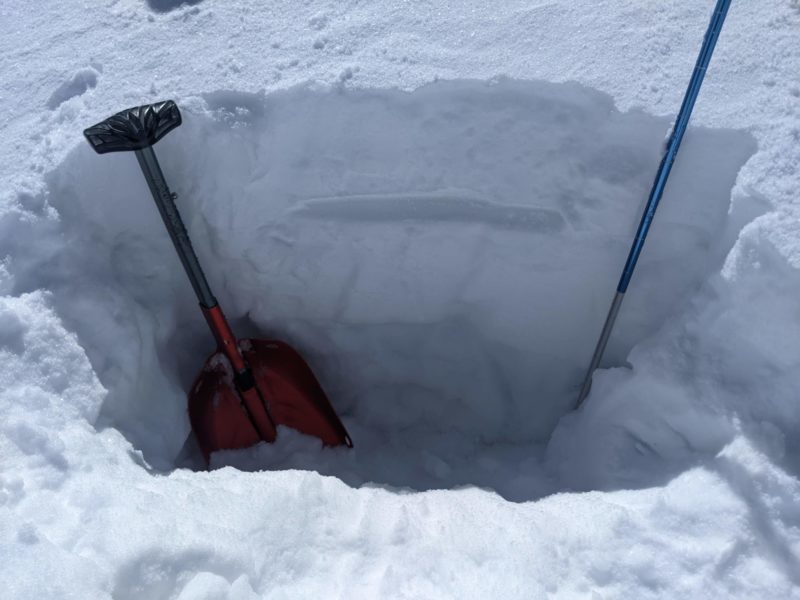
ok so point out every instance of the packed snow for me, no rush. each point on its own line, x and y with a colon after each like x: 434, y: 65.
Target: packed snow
x: 433, y: 204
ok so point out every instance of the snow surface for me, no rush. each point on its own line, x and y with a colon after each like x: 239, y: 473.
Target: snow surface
x: 432, y: 202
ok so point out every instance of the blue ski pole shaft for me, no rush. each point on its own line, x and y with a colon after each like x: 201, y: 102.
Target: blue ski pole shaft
x: 710, y: 40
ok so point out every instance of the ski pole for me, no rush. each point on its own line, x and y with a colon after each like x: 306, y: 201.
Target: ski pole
x: 710, y: 40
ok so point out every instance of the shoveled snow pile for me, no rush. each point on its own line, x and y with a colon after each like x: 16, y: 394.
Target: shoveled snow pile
x: 433, y: 205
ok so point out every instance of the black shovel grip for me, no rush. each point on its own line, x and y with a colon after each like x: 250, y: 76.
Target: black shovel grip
x: 134, y: 128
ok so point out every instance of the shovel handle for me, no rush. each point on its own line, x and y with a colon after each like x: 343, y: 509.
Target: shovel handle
x: 134, y: 128
x: 137, y: 129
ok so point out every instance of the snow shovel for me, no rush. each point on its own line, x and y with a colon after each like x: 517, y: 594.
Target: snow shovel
x: 248, y: 386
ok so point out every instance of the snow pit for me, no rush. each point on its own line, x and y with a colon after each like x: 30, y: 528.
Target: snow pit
x: 443, y: 258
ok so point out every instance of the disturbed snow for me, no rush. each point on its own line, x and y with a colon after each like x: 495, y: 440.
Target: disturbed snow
x: 444, y: 255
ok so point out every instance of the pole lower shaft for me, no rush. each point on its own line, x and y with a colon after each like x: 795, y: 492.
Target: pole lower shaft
x: 601, y: 347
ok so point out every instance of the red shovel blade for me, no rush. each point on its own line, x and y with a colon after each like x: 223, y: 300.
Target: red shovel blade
x: 288, y: 394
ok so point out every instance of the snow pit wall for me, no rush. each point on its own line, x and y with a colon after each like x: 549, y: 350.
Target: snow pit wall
x: 443, y: 258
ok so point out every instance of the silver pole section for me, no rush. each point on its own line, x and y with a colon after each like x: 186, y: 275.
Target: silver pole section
x: 601, y: 347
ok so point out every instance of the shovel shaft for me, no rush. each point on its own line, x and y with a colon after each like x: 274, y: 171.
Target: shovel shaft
x: 226, y: 341
x: 255, y: 408
x: 165, y: 201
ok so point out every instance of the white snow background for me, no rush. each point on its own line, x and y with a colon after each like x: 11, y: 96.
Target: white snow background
x: 432, y: 201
